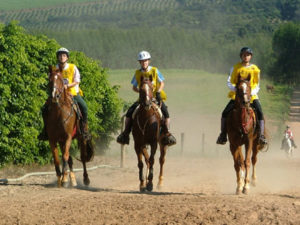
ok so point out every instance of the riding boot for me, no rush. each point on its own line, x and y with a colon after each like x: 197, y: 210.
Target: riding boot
x: 262, y: 139
x: 85, y: 131
x: 43, y: 136
x: 168, y: 138
x: 222, y: 139
x: 123, y: 138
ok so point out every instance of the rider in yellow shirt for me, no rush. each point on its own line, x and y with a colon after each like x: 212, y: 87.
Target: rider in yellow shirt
x: 71, y: 77
x: 243, y: 68
x: 158, y: 84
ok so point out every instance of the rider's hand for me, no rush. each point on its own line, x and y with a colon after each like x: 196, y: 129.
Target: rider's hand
x: 158, y: 97
x: 66, y: 86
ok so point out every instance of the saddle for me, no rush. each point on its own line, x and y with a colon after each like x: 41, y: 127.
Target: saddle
x: 156, y: 108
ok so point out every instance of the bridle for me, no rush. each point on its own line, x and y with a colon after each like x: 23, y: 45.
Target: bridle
x: 57, y: 94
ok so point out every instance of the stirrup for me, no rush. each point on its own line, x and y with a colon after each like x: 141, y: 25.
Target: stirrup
x: 222, y: 139
x: 123, y: 139
x: 262, y: 140
x: 169, y: 140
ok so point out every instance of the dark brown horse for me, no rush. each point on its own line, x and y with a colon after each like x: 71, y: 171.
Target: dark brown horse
x: 242, y: 130
x: 61, y: 122
x: 146, y: 132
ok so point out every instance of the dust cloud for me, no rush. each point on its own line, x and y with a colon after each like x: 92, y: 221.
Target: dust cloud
x: 197, y: 165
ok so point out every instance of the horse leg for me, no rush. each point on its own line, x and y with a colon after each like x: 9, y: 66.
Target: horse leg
x: 151, y: 163
x: 248, y: 147
x: 72, y: 175
x: 254, y: 160
x: 54, y: 151
x: 65, y: 158
x: 146, y: 156
x: 139, y: 154
x: 163, y: 151
x: 83, y: 156
x: 236, y: 153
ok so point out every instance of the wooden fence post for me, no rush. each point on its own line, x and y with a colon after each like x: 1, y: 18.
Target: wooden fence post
x: 122, y: 163
x: 203, y: 143
x: 182, y: 143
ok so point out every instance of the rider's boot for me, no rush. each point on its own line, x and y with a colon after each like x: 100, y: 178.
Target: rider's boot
x: 123, y: 138
x: 222, y: 139
x: 262, y: 139
x: 168, y: 138
x: 85, y: 131
x: 43, y: 136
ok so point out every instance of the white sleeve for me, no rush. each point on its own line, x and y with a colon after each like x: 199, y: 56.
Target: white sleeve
x: 255, y: 90
x: 76, y: 75
x: 229, y: 84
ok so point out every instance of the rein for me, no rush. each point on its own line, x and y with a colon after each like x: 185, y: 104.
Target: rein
x: 58, y: 97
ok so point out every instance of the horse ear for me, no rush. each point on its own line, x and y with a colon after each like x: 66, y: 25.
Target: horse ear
x: 142, y: 78
x: 151, y: 79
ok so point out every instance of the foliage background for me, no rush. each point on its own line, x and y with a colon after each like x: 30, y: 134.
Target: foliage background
x: 24, y: 61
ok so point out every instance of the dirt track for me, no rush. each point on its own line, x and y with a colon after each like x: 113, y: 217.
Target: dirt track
x: 198, y: 190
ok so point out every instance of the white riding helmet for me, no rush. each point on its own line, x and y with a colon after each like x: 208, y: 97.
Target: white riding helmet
x: 143, y: 55
x: 62, y: 50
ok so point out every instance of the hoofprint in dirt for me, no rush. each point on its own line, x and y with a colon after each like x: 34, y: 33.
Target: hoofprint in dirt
x: 198, y: 190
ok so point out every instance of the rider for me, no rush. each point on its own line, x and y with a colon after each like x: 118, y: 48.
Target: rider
x: 243, y: 68
x: 289, y: 133
x: 158, y: 85
x: 71, y: 77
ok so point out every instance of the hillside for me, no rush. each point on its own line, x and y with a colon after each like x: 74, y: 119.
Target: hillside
x: 180, y: 33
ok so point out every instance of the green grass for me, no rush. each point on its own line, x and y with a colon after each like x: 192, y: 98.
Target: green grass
x: 28, y: 4
x: 203, y: 93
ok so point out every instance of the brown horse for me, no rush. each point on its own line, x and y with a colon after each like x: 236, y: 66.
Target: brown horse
x: 242, y: 130
x: 61, y: 121
x: 146, y: 131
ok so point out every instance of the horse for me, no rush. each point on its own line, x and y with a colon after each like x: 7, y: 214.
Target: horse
x: 146, y: 132
x: 242, y: 130
x: 270, y: 88
x: 287, y: 145
x: 62, y: 125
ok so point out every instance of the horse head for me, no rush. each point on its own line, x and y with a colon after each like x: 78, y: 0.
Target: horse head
x: 243, y: 91
x: 56, y: 84
x: 146, y: 92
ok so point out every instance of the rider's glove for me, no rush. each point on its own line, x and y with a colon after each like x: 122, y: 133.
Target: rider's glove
x: 158, y: 97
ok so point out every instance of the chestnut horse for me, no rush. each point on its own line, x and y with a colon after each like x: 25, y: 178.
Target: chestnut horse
x: 146, y: 131
x: 242, y: 130
x: 61, y: 121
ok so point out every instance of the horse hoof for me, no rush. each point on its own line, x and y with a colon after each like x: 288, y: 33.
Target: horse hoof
x: 245, y: 191
x: 159, y: 187
x: 86, y: 181
x: 238, y: 191
x: 253, y: 183
x: 65, y: 184
x: 149, y: 187
x: 142, y: 189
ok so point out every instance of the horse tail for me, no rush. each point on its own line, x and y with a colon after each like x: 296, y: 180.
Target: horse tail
x: 90, y: 150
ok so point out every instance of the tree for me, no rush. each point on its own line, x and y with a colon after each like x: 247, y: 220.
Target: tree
x: 24, y: 61
x: 286, y: 46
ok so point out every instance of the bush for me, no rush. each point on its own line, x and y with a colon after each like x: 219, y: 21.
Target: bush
x: 24, y: 61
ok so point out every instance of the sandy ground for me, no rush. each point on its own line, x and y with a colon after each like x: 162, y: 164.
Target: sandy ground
x: 199, y: 188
